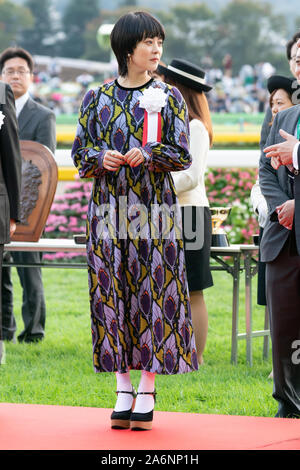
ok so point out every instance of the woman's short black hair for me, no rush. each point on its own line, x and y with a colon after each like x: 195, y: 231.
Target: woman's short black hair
x: 128, y: 31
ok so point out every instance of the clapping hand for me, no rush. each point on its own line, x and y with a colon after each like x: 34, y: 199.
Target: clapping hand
x: 282, y: 154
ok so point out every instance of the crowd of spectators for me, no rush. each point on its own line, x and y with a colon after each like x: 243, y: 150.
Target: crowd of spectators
x: 62, y: 95
x: 245, y: 92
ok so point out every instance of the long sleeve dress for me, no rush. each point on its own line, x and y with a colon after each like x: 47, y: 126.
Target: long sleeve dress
x: 139, y: 300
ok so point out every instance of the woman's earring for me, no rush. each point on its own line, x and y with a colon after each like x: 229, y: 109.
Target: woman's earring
x: 128, y: 57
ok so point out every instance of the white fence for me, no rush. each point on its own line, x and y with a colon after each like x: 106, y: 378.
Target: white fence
x: 216, y: 158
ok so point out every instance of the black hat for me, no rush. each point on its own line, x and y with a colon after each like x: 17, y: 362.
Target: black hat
x: 185, y: 73
x: 276, y: 82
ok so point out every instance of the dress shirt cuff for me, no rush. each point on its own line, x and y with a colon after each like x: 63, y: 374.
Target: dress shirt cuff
x: 295, y: 156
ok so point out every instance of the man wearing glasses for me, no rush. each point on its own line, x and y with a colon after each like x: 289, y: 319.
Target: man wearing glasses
x: 279, y: 175
x: 36, y: 123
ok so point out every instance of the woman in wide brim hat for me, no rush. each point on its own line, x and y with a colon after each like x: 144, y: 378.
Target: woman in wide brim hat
x: 185, y: 73
x: 190, y: 187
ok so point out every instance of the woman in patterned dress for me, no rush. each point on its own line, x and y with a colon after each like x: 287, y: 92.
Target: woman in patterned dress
x: 140, y: 311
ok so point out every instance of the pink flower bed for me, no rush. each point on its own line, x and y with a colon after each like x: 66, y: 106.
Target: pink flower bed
x: 231, y: 187
x: 68, y: 217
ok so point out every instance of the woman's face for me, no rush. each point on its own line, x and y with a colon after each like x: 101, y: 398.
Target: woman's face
x: 280, y: 101
x: 146, y: 55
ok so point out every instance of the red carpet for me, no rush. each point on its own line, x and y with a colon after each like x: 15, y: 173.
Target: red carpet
x: 45, y: 427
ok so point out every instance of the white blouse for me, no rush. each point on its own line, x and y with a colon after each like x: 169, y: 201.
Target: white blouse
x: 190, y: 183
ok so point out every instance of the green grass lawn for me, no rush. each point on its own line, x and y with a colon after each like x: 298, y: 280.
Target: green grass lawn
x: 59, y: 370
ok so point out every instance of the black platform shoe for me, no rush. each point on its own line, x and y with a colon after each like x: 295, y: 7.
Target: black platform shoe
x: 142, y: 421
x: 121, y: 419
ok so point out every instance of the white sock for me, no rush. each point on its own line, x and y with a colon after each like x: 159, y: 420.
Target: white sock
x: 145, y: 403
x: 124, y: 400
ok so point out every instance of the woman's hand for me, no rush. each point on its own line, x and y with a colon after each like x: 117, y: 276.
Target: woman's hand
x: 286, y: 213
x: 112, y: 160
x: 134, y: 157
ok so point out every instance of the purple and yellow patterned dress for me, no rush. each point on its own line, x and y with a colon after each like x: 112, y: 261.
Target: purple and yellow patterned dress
x: 140, y: 311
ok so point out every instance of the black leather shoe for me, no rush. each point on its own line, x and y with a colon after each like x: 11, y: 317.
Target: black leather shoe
x: 30, y: 339
x: 142, y: 421
x: 10, y: 338
x: 121, y: 419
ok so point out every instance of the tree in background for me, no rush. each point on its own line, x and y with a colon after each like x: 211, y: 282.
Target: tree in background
x: 246, y: 29
x: 76, y: 17
x: 36, y: 38
x: 250, y: 32
x: 93, y: 50
x: 188, y: 31
x: 13, y: 18
x: 128, y: 3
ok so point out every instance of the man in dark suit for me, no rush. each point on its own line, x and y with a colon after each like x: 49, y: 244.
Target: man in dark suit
x: 36, y: 123
x: 279, y: 178
x: 10, y: 174
x: 291, y: 50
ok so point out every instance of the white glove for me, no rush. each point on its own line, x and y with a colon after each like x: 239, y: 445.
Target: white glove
x: 262, y: 210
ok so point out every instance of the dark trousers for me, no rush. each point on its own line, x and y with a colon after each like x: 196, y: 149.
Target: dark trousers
x: 8, y: 320
x: 33, y: 302
x: 261, y: 276
x: 283, y: 299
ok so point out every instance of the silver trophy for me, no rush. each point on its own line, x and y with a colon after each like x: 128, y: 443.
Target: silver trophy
x: 218, y: 216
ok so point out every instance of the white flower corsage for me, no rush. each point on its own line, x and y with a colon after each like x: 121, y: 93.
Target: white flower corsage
x: 153, y: 99
x: 1, y: 118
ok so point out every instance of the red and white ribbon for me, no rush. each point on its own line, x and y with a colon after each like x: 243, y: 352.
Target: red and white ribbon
x: 152, y: 127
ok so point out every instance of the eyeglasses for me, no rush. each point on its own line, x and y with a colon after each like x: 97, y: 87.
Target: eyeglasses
x: 11, y: 72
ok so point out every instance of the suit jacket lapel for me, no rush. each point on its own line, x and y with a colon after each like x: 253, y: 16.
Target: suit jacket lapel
x: 289, y: 123
x: 25, y: 115
x: 293, y: 122
x: 2, y: 94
